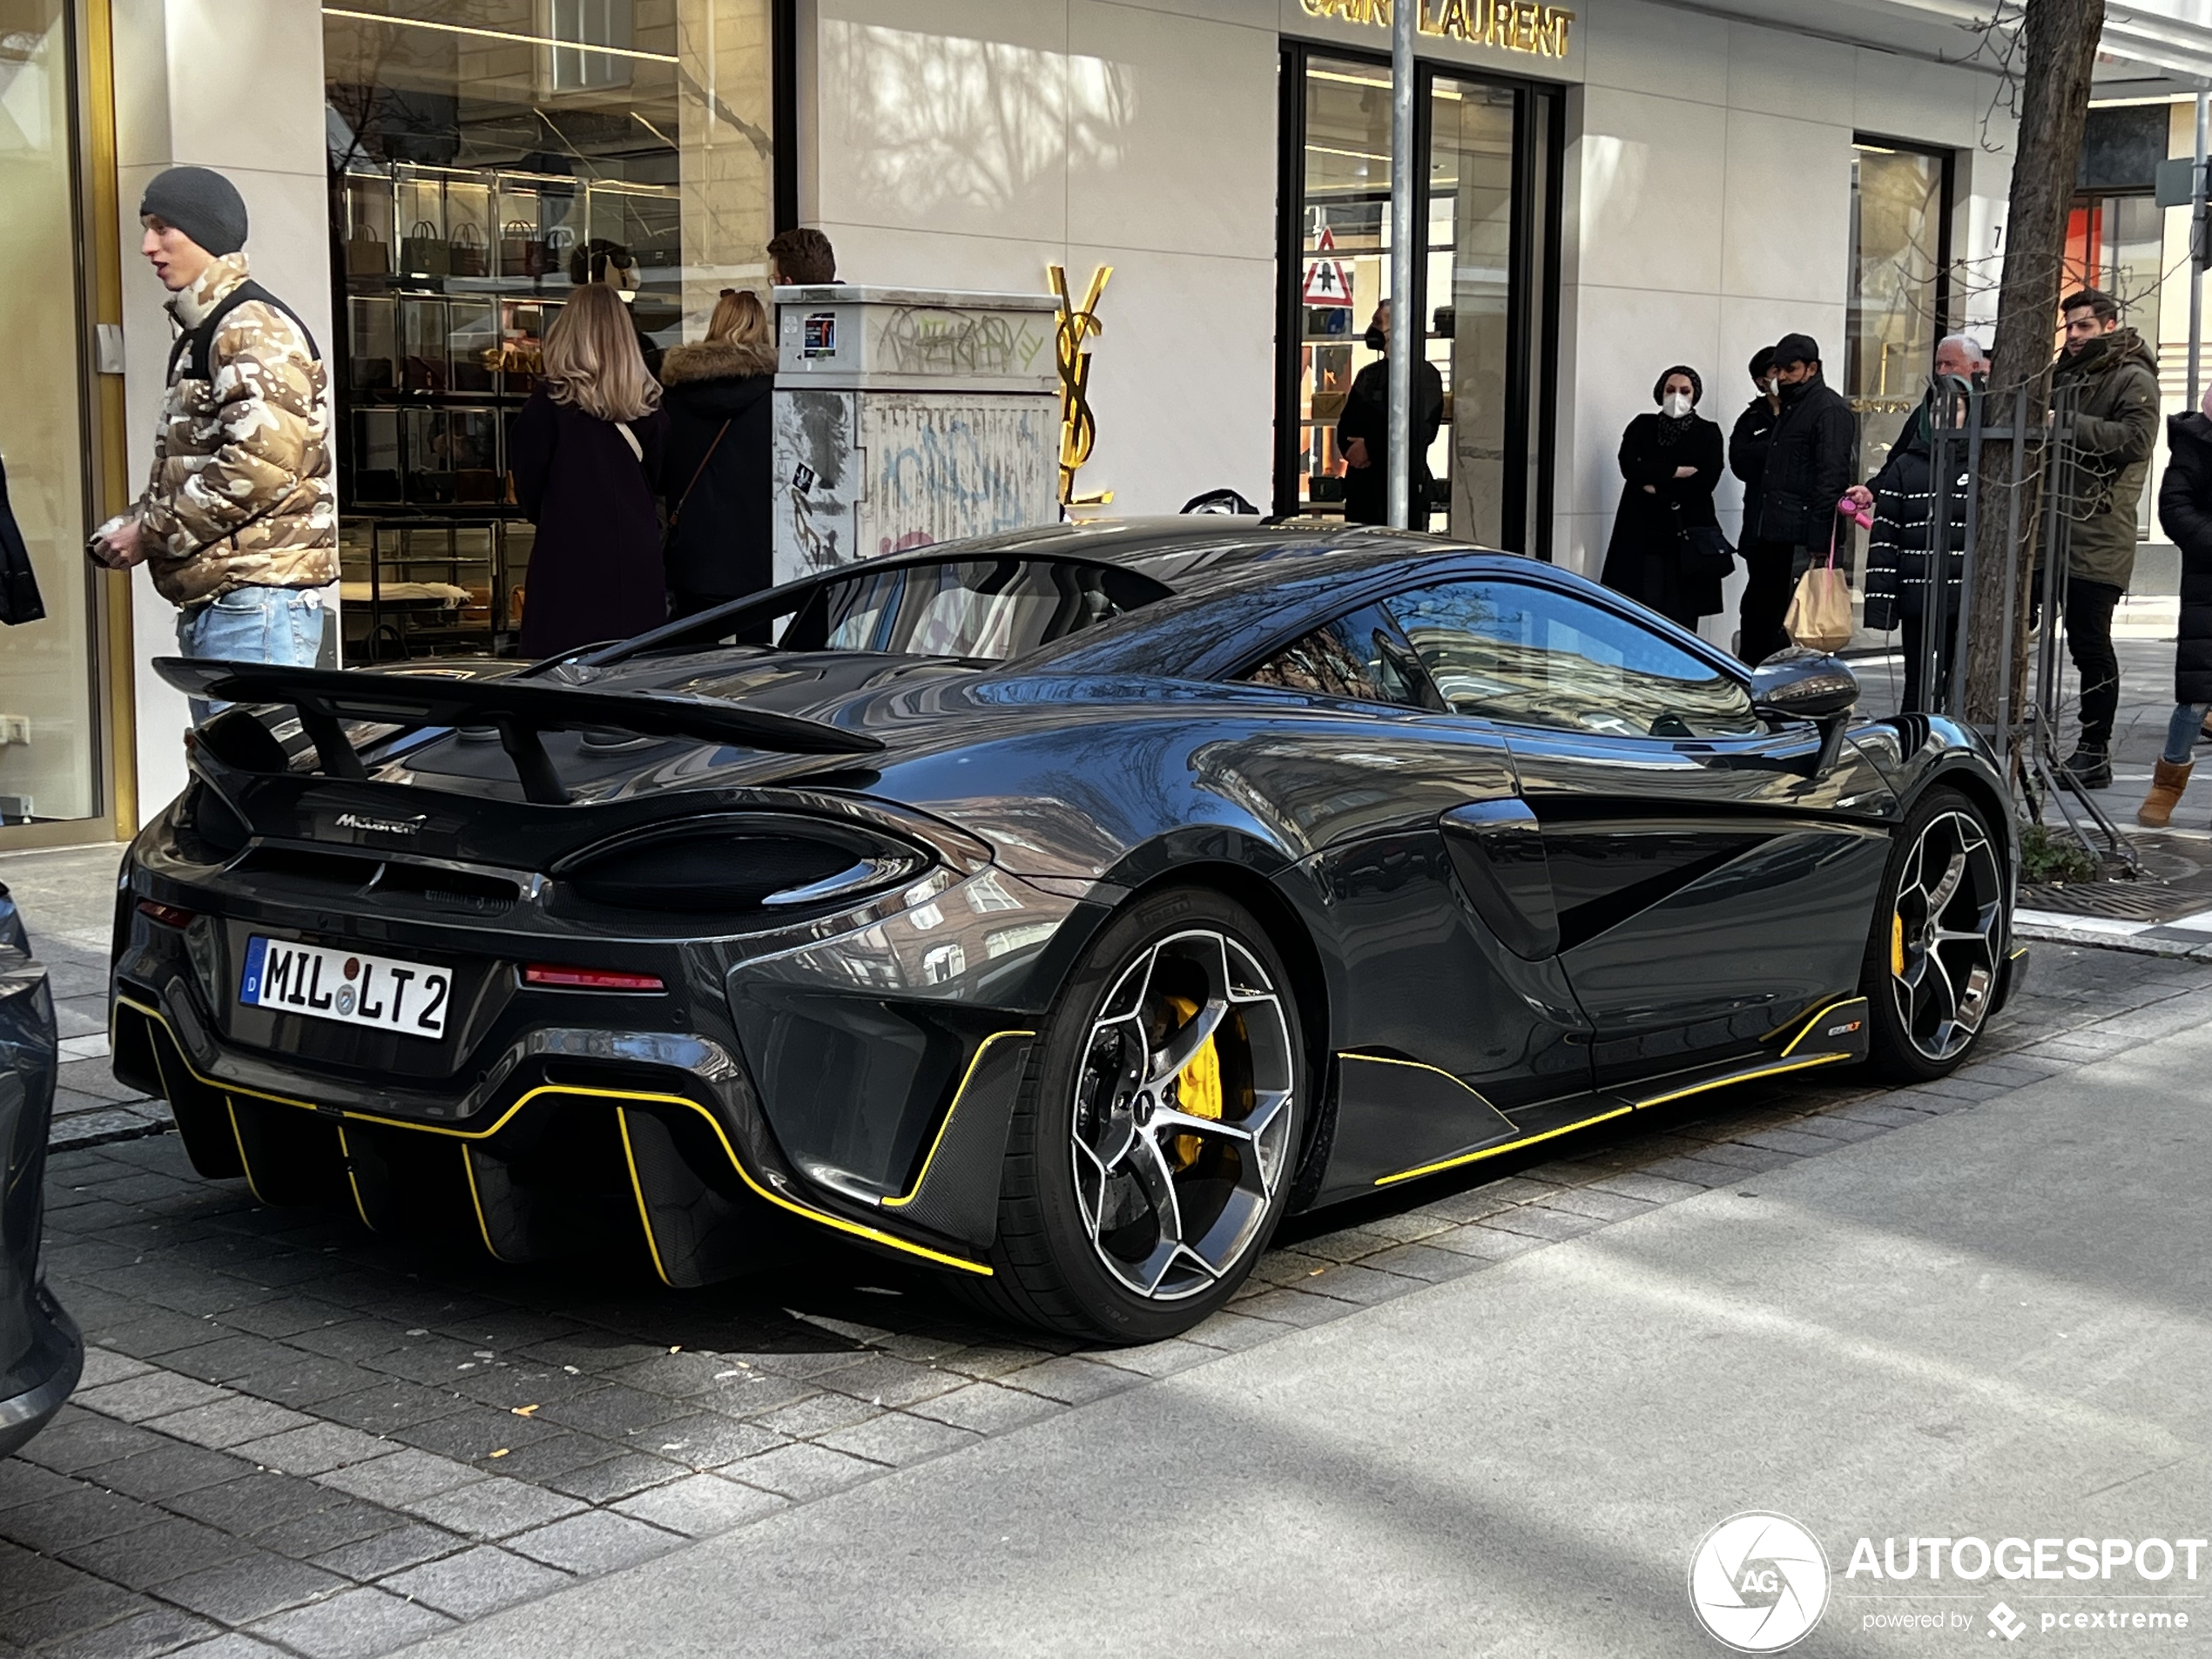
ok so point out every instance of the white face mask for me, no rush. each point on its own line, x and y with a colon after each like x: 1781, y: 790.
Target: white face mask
x: 1677, y: 404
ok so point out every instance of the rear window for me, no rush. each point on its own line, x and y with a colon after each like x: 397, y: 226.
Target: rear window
x: 992, y: 609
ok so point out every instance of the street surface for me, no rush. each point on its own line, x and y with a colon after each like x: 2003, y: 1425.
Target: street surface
x: 1450, y: 1422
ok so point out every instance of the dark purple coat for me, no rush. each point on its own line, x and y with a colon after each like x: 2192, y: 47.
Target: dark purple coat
x: 594, y: 570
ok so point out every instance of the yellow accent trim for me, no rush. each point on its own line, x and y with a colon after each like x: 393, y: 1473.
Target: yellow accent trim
x: 238, y: 1140
x: 1776, y: 1069
x: 1415, y: 1065
x: 475, y: 1203
x: 874, y: 1235
x: 943, y: 1127
x: 1488, y: 1151
x: 1818, y: 1014
x: 638, y: 1187
x: 352, y: 1185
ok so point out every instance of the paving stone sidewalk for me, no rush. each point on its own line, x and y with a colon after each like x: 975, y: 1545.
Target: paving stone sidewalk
x: 295, y: 1437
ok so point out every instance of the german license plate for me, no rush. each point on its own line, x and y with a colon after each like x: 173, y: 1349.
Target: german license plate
x: 344, y: 984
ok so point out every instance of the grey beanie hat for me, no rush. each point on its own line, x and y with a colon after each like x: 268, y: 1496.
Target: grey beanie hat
x: 205, y: 205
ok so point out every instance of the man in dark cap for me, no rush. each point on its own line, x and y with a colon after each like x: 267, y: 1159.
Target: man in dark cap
x: 1808, y: 458
x: 1766, y: 565
x: 238, y: 522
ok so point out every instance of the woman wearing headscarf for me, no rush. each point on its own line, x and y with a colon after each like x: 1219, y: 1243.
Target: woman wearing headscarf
x: 1670, y: 461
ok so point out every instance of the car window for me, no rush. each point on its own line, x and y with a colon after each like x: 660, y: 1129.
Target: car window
x: 1534, y: 656
x: 1352, y: 657
x: 996, y: 609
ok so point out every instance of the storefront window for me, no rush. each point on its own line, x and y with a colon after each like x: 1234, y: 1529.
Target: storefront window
x: 1900, y: 211
x: 49, y: 750
x: 2115, y: 243
x: 487, y: 156
x: 1485, y: 218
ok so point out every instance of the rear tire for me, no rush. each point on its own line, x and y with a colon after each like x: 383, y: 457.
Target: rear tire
x: 1154, y: 1144
x: 1935, y: 958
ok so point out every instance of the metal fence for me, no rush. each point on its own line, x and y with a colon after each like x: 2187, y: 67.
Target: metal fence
x: 2047, y: 489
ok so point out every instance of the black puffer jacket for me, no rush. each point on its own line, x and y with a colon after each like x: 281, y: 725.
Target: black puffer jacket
x: 1747, y: 448
x: 720, y: 544
x: 1898, y: 556
x: 1808, y: 467
x: 2185, y: 514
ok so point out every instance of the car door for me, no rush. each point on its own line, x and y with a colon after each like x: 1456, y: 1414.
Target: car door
x: 1710, y: 884
x: 1439, y: 1031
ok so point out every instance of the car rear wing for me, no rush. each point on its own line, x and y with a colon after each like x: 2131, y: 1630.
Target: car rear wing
x: 520, y: 709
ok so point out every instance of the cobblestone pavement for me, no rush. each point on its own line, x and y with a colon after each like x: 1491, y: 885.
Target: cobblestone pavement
x: 295, y: 1437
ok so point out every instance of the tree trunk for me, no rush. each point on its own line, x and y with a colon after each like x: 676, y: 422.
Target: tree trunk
x: 2061, y: 42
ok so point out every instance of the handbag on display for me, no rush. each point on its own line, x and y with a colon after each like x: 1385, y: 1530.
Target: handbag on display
x: 521, y: 251
x: 467, y: 255
x: 366, y: 254
x: 1820, y: 616
x: 424, y: 252
x: 558, y: 241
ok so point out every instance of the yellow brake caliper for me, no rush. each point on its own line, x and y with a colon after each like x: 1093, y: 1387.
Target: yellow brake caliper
x: 1897, y: 945
x: 1198, y: 1086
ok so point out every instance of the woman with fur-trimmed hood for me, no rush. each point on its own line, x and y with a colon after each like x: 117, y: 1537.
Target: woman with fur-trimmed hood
x: 716, y: 478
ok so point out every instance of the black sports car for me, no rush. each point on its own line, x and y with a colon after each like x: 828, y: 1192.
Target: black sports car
x: 41, y: 1353
x: 1060, y: 908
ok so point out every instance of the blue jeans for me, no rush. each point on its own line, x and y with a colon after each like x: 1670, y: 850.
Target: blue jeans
x: 2182, y: 731
x: 280, y: 625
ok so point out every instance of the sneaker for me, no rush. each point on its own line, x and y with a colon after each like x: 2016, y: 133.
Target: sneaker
x: 2089, y: 766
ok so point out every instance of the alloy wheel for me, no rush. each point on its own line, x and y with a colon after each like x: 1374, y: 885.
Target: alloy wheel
x: 1181, y: 1127
x: 1945, y: 935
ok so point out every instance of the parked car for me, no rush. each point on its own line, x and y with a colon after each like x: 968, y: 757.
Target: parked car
x: 41, y: 1353
x: 1061, y: 909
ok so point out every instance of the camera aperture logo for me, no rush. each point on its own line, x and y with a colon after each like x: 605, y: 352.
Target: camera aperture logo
x: 1758, y: 1582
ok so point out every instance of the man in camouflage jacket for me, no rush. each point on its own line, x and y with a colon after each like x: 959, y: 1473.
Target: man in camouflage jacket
x: 238, y: 522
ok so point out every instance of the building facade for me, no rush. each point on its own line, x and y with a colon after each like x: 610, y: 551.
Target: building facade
x: 1613, y: 187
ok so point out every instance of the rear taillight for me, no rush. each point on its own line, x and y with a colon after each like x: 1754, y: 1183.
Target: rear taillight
x: 168, y: 915
x: 549, y: 977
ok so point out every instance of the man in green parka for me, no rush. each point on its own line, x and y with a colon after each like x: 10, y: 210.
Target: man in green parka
x: 2113, y: 426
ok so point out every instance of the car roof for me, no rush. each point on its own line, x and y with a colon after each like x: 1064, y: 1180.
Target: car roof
x: 1201, y: 552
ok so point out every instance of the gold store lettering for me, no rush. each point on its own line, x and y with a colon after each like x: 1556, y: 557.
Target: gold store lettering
x: 1513, y: 25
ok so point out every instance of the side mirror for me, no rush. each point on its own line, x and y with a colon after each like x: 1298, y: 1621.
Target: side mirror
x: 1801, y: 684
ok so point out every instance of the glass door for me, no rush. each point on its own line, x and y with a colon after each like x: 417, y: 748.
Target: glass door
x: 1899, y: 271
x: 49, y: 756
x: 1484, y: 305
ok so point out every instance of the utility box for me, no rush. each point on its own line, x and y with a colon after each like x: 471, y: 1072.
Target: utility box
x: 904, y: 416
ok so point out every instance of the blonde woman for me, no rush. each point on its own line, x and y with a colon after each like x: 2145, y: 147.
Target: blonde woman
x: 586, y: 455
x: 716, y: 482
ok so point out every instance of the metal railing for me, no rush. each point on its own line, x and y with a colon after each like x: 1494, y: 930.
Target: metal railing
x: 2046, y: 488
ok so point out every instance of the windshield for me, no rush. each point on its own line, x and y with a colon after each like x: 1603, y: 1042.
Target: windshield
x: 993, y: 608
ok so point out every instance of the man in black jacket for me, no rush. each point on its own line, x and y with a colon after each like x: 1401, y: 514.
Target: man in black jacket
x: 1363, y: 431
x: 1766, y: 593
x: 1808, y: 457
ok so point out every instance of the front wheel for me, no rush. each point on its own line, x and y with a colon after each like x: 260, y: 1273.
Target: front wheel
x: 1151, y: 1150
x: 1934, y: 961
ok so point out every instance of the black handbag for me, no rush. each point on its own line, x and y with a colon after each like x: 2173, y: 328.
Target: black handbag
x: 1706, y: 555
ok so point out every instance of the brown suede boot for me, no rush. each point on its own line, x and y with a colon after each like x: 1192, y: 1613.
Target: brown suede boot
x: 2167, y: 784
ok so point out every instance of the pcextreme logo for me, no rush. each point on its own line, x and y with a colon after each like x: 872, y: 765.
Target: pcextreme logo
x: 1758, y: 1582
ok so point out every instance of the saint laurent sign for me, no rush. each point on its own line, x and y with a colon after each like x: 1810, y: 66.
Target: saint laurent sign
x: 1513, y: 25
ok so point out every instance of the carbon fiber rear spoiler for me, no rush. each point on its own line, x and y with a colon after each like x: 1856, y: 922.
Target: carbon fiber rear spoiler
x: 521, y: 709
